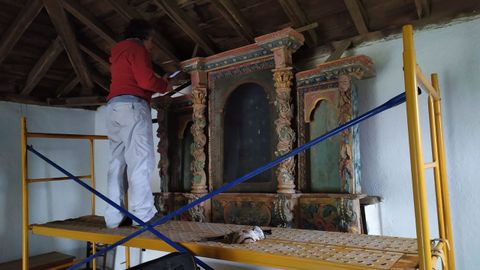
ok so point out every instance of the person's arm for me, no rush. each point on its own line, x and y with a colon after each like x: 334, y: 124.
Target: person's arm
x: 143, y: 72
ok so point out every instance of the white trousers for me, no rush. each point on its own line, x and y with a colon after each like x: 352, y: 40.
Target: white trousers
x: 129, y: 128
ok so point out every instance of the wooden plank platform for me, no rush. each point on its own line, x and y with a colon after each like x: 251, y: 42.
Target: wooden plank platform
x: 41, y: 262
x: 285, y: 248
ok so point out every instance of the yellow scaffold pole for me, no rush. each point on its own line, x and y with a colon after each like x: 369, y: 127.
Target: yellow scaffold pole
x: 436, y: 173
x: 416, y: 155
x: 443, y: 176
x: 23, y: 139
x: 92, y: 183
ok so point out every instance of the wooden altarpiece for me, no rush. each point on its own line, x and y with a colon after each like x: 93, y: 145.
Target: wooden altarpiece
x: 247, y: 107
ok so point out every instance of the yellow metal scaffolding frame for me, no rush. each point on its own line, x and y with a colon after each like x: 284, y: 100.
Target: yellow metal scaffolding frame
x: 26, y: 181
x: 412, y: 74
x: 428, y: 252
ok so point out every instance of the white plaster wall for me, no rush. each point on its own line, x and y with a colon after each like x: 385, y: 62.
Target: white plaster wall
x: 48, y: 201
x: 454, y: 53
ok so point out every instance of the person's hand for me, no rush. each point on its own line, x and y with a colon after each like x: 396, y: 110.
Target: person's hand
x: 165, y: 77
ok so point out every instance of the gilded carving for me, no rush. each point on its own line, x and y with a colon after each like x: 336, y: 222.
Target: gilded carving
x: 161, y: 204
x: 196, y: 213
x: 286, y: 136
x: 162, y: 148
x: 283, y: 209
x: 199, y: 140
x: 345, y: 115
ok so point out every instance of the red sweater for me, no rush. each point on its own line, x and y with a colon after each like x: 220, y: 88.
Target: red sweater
x: 132, y: 73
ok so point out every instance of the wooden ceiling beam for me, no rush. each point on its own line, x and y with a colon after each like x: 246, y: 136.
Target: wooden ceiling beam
x: 339, y: 49
x: 128, y: 13
x: 187, y: 25
x: 42, y: 66
x: 96, y: 54
x: 423, y: 8
x: 236, y: 19
x: 358, y: 14
x: 23, y: 20
x: 67, y: 86
x: 307, y: 27
x: 102, y: 82
x: 22, y: 99
x: 89, y: 20
x: 77, y: 101
x: 65, y: 31
x: 299, y: 18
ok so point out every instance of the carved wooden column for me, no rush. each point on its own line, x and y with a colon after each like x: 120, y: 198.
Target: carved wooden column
x: 286, y: 136
x: 162, y: 148
x: 283, y: 43
x: 199, y: 104
x: 283, y: 79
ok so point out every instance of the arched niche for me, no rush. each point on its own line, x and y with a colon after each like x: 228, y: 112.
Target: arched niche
x: 247, y: 136
x: 324, y: 158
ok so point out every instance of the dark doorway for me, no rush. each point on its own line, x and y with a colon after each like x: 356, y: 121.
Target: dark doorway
x: 247, y: 133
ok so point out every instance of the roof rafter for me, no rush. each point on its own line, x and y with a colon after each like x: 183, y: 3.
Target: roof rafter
x: 101, y: 81
x: 187, y: 25
x: 87, y: 18
x: 233, y: 15
x: 358, y: 14
x: 423, y: 8
x: 299, y: 18
x: 42, y: 66
x: 22, y: 99
x: 23, y: 20
x: 339, y: 49
x: 65, y: 31
x: 77, y: 101
x: 97, y: 55
x: 67, y: 86
x: 128, y: 13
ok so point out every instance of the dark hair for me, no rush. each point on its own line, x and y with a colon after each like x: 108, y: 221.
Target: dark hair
x: 138, y: 28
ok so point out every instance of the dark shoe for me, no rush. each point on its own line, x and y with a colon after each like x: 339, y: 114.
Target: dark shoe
x: 126, y: 222
x: 151, y: 221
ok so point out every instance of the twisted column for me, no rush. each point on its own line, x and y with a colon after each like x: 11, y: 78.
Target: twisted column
x: 162, y: 148
x: 199, y: 184
x: 286, y: 136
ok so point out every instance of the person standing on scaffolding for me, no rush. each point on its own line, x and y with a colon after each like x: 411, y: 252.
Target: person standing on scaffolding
x: 129, y: 124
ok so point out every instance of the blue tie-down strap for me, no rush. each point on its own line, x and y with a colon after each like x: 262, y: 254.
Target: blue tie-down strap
x: 397, y: 100
x: 121, y: 209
